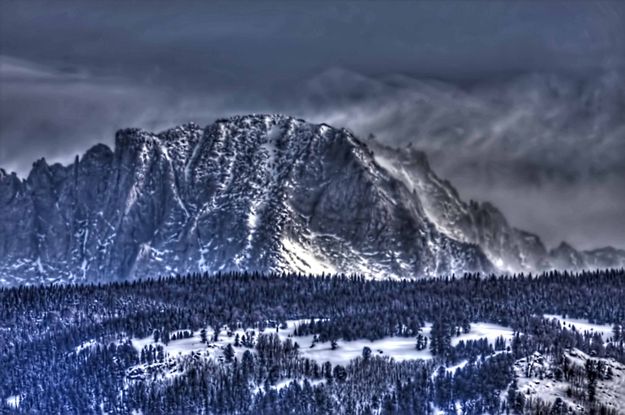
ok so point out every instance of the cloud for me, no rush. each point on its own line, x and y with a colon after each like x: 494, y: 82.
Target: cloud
x: 564, y: 128
x: 58, y: 114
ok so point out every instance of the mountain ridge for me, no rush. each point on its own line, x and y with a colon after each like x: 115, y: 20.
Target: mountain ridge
x: 256, y: 192
x: 509, y: 248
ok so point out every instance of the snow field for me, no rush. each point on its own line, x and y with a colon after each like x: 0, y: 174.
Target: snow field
x: 398, y: 348
x: 582, y: 326
x: 485, y: 330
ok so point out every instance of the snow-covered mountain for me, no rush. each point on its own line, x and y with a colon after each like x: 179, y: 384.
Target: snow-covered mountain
x: 258, y: 192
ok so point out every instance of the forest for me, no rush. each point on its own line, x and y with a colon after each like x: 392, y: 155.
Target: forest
x: 69, y: 348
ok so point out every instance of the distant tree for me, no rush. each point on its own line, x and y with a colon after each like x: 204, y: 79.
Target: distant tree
x: 327, y: 370
x: 422, y: 342
x: 592, y: 374
x: 559, y: 407
x: 617, y: 332
x: 229, y: 352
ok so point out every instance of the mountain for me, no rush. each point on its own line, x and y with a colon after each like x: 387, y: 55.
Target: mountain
x: 252, y: 192
x: 258, y: 192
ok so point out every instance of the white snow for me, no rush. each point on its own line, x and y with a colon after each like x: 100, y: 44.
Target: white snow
x: 286, y: 382
x: 14, y: 401
x: 438, y: 411
x: 489, y: 331
x: 582, y: 326
x: 274, y: 132
x: 39, y: 265
x: 454, y: 368
x: 83, y: 267
x: 84, y: 345
x: 302, y: 260
x: 397, y: 348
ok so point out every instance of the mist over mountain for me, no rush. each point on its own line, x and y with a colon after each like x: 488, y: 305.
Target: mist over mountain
x: 567, y: 126
x: 558, y: 140
x: 258, y: 192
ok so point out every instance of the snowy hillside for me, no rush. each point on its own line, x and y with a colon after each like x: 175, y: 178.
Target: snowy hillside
x: 294, y: 344
x: 539, y: 378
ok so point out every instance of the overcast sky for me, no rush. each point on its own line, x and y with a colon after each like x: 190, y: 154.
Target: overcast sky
x: 71, y: 73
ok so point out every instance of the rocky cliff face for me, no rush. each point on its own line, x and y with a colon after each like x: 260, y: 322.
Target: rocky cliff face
x: 508, y: 248
x: 259, y: 192
x: 247, y: 193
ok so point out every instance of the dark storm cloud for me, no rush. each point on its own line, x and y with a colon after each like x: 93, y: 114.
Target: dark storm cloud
x: 71, y: 73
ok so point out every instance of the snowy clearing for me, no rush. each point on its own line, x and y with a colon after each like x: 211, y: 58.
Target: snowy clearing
x: 582, y: 326
x: 489, y: 331
x: 398, y: 348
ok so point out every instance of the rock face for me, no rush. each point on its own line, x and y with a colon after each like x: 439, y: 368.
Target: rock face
x: 259, y: 192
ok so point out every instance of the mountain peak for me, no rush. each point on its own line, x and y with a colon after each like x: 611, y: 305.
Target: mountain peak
x: 564, y: 247
x: 97, y: 151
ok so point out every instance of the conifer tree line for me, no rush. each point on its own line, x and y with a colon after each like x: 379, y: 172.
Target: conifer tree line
x: 42, y: 326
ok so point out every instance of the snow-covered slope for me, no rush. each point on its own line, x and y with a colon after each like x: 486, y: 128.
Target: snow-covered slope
x: 537, y: 378
x: 258, y: 192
